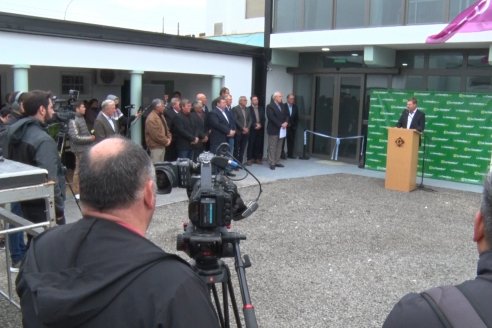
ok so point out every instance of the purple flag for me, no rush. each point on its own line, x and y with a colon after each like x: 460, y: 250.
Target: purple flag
x: 476, y: 18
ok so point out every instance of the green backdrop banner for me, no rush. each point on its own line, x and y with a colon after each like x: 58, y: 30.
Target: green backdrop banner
x: 458, y: 132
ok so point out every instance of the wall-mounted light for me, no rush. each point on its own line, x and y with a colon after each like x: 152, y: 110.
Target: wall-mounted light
x: 404, y: 64
x: 325, y: 49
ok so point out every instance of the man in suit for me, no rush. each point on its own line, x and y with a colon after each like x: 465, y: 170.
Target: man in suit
x: 185, y: 131
x: 170, y: 114
x: 293, y: 112
x: 256, y: 133
x: 277, y: 120
x: 412, y: 117
x: 218, y: 123
x: 243, y: 124
x: 104, y: 125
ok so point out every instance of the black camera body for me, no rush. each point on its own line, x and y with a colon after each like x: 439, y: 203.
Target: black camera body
x: 214, y: 202
x: 213, y: 199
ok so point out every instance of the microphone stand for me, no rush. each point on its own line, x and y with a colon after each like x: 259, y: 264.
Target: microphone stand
x: 422, y: 169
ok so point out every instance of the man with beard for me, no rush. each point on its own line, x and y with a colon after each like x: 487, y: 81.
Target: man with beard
x: 29, y: 143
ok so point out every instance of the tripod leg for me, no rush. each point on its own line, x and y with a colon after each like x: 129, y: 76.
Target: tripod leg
x: 225, y: 303
x: 73, y: 194
x: 217, y: 304
x: 233, y: 299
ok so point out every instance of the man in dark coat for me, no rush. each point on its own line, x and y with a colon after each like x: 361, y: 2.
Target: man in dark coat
x: 293, y: 112
x: 277, y: 122
x: 257, y: 132
x: 412, y: 117
x: 28, y: 142
x: 219, y: 125
x: 108, y: 272
x: 420, y: 310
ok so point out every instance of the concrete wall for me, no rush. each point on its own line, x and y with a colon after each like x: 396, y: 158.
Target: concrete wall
x: 48, y: 57
x: 278, y: 80
x: 232, y: 15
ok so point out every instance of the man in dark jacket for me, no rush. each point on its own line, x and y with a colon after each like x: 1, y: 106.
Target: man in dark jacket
x: 257, y: 132
x: 29, y: 143
x: 108, y: 273
x: 277, y: 122
x: 419, y: 310
x: 293, y: 113
x: 412, y: 117
x: 219, y: 125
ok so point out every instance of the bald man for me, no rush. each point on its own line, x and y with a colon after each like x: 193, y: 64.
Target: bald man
x: 108, y: 271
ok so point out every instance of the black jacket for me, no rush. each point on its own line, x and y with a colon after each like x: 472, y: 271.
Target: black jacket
x: 29, y: 143
x: 414, y: 311
x: 418, y: 121
x: 276, y: 117
x: 294, y: 117
x: 105, y: 275
x: 185, y: 131
x: 219, y: 128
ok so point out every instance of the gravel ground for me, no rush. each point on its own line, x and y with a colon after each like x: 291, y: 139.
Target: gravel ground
x: 338, y: 250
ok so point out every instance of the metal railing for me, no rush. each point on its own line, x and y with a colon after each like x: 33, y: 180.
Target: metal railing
x: 334, y: 152
x: 42, y: 191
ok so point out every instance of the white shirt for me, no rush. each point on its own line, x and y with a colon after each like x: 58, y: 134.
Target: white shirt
x: 410, y: 118
x: 111, y: 122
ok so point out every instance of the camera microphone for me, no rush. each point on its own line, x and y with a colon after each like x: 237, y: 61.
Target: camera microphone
x: 223, y: 162
x: 250, y: 209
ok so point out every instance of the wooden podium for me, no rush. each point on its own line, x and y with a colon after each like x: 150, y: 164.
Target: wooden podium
x: 401, y: 159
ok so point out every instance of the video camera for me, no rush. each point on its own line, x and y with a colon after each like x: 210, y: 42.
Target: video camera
x: 214, y: 202
x: 64, y: 110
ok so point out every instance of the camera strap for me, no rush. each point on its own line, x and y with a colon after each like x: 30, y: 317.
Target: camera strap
x: 452, y: 307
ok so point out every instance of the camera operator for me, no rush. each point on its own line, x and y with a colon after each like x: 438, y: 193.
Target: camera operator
x: 29, y: 143
x: 80, y: 140
x: 109, y: 273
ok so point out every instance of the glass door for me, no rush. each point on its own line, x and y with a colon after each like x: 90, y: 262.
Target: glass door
x: 338, y: 114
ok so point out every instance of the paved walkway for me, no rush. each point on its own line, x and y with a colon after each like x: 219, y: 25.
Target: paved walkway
x: 294, y: 168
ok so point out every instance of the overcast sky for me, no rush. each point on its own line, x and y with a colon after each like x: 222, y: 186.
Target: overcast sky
x: 150, y: 15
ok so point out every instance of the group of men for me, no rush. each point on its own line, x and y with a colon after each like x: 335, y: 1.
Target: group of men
x: 104, y: 262
x: 184, y: 129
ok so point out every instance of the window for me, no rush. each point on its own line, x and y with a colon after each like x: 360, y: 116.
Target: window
x: 444, y: 83
x: 451, y: 61
x: 255, y: 8
x: 479, y: 61
x: 426, y: 12
x: 350, y: 14
x: 386, y: 12
x: 286, y: 17
x: 457, y: 6
x: 318, y: 14
x: 410, y: 60
x: 479, y: 84
x: 72, y: 82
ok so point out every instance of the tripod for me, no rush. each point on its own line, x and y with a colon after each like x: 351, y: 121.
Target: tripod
x: 61, y: 139
x: 422, y: 169
x: 214, y: 272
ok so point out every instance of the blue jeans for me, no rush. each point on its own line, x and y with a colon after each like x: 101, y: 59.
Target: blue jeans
x: 16, y: 240
x: 185, y: 153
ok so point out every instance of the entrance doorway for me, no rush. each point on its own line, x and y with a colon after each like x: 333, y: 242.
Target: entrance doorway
x: 338, y: 113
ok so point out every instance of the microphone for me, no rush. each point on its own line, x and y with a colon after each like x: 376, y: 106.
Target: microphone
x: 250, y: 209
x: 223, y: 162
